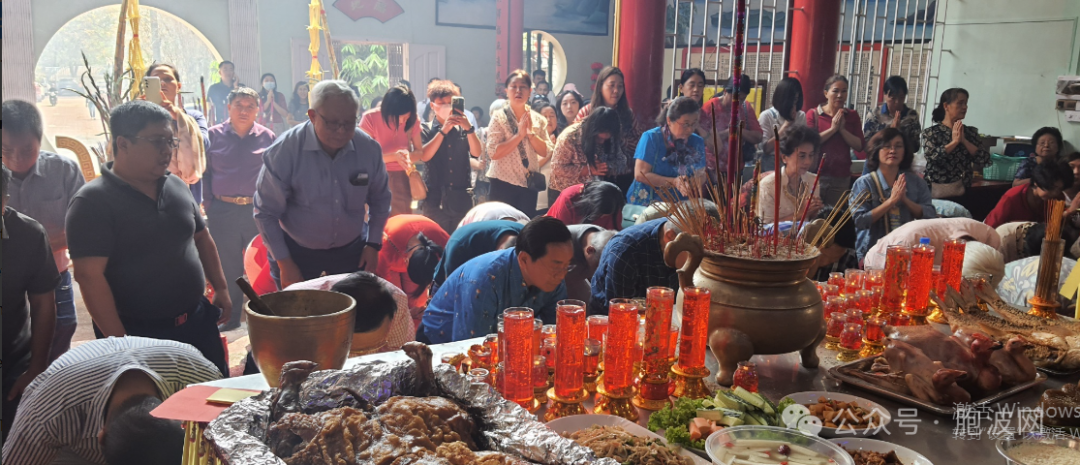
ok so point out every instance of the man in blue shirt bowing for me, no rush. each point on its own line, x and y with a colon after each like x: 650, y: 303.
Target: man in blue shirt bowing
x: 529, y: 275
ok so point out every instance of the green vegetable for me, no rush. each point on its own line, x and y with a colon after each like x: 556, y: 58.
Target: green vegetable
x: 684, y: 411
x: 784, y: 404
x: 681, y: 435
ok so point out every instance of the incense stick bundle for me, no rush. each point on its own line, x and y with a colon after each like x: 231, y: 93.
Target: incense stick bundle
x: 778, y: 181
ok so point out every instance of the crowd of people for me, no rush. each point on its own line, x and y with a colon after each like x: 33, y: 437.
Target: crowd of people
x: 431, y: 219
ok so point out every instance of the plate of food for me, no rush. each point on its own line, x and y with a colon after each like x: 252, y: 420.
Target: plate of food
x: 1038, y: 450
x: 622, y: 440
x: 874, y: 452
x: 840, y: 415
x: 771, y: 445
x: 688, y: 422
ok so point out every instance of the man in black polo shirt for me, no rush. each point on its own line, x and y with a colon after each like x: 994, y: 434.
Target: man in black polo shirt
x: 452, y: 151
x: 140, y: 245
x: 31, y: 275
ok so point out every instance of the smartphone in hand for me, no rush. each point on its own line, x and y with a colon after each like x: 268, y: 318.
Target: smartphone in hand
x: 457, y: 105
x: 152, y: 89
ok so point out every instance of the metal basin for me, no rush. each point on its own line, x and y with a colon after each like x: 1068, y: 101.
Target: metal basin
x: 308, y: 325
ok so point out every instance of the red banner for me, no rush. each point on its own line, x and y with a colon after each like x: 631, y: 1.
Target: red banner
x: 382, y: 10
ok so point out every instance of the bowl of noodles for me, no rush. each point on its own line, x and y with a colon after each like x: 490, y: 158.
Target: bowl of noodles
x: 622, y: 440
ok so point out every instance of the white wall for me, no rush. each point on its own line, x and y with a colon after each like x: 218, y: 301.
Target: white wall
x: 470, y: 53
x: 1008, y: 55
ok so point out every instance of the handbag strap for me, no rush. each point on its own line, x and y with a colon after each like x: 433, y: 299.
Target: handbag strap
x: 512, y: 122
x: 881, y: 195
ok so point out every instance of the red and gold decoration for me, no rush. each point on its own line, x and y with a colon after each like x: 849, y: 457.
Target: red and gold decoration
x: 689, y: 371
x: 653, y: 393
x: 569, y: 391
x: 617, y: 388
x: 382, y: 10
x: 922, y: 280
x: 517, y: 376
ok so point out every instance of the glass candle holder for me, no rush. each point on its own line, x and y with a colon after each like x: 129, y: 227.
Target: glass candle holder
x: 851, y: 342
x: 659, y: 302
x: 548, y: 333
x: 539, y: 372
x: 479, y: 376
x: 497, y: 377
x: 832, y: 290
x: 538, y: 326
x: 939, y: 282
x: 875, y: 278
x: 866, y: 301
x: 619, y: 347
x: 875, y: 299
x: 837, y: 279
x: 746, y: 377
x: 899, y: 319
x: 854, y: 281
x: 875, y: 330
x: 853, y: 315
x: 833, y: 330
x: 695, y: 330
x: 897, y: 273
x: 821, y: 290
x: 952, y: 262
x: 491, y: 341
x: 549, y: 349
x: 500, y: 327
x: 570, y: 351
x: 517, y: 375
x: 480, y: 356
x: 922, y: 277
x: 832, y: 305
x: 592, y: 357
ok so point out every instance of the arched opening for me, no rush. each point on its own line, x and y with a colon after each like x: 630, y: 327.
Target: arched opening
x: 165, y: 38
x: 543, y: 51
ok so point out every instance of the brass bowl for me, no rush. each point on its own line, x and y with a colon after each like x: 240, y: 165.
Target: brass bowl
x: 309, y: 325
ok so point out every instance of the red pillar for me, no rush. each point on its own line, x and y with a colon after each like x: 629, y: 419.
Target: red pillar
x: 639, y: 53
x: 815, y: 27
x: 509, y: 33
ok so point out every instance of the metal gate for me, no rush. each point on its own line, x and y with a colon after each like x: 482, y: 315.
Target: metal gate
x: 877, y: 39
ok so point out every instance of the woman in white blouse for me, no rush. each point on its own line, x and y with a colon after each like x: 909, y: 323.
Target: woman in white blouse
x: 798, y: 144
x: 786, y: 111
x: 519, y: 146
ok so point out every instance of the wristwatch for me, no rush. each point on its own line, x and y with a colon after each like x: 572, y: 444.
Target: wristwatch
x: 375, y: 245
x: 471, y: 130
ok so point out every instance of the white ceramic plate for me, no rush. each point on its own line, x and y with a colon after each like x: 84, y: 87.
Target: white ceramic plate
x: 908, y: 456
x: 580, y: 422
x: 811, y: 397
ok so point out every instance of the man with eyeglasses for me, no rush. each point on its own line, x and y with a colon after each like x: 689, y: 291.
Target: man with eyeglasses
x: 531, y: 274
x: 323, y: 198
x: 42, y: 186
x: 233, y: 165
x: 141, y: 249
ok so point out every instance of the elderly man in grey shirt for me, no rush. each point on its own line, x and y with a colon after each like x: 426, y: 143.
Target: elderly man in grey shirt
x: 42, y: 186
x: 322, y: 198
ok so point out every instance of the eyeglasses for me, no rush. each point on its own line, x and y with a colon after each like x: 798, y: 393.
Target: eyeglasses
x: 162, y: 144
x: 337, y: 125
x: 687, y: 125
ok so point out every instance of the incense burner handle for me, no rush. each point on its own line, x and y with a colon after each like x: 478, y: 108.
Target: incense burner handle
x: 685, y: 243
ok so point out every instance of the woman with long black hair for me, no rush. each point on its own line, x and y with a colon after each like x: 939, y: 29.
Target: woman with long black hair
x: 588, y: 151
x: 568, y: 103
x: 273, y: 108
x: 611, y: 92
x: 595, y: 202
x: 395, y: 126
x: 786, y: 111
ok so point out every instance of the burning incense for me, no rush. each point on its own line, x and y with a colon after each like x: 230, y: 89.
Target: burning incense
x: 736, y: 84
x: 778, y: 181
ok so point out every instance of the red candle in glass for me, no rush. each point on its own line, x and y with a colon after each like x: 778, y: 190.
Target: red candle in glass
x: 854, y: 280
x: 598, y: 325
x: 659, y: 302
x: 922, y: 275
x: 875, y: 330
x: 832, y: 290
x: 952, y: 262
x: 852, y: 337
x: 492, y: 342
x: 592, y: 357
x: 875, y: 298
x: 899, y: 319
x: 853, y: 315
x: 939, y: 282
x: 547, y: 349
x: 619, y: 348
x: 875, y: 278
x: 517, y: 376
x: 746, y: 377
x: 570, y: 350
x: 836, y: 325
x: 695, y: 330
x: 539, y: 372
x: 837, y: 279
x: 538, y: 336
x: 866, y: 301
x: 897, y: 269
x: 832, y: 305
x: 821, y: 290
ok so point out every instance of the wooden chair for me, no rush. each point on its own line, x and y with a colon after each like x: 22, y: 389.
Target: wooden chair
x: 86, y: 161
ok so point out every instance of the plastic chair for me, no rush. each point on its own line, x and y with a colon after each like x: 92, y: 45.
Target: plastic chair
x: 257, y: 267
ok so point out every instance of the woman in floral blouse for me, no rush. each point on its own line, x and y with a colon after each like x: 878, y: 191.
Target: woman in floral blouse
x: 669, y: 155
x: 588, y: 151
x: 952, y: 148
x: 518, y: 143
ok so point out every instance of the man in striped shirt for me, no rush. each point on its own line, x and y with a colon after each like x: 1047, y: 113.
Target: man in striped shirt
x: 94, y: 403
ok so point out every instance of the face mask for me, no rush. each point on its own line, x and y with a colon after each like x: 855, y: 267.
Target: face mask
x: 444, y: 112
x: 269, y: 85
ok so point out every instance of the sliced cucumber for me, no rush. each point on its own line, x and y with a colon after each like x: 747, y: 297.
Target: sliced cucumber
x: 722, y: 400
x: 753, y: 399
x: 711, y: 414
x: 742, y: 404
x: 753, y: 420
x: 731, y: 421
x: 770, y: 407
